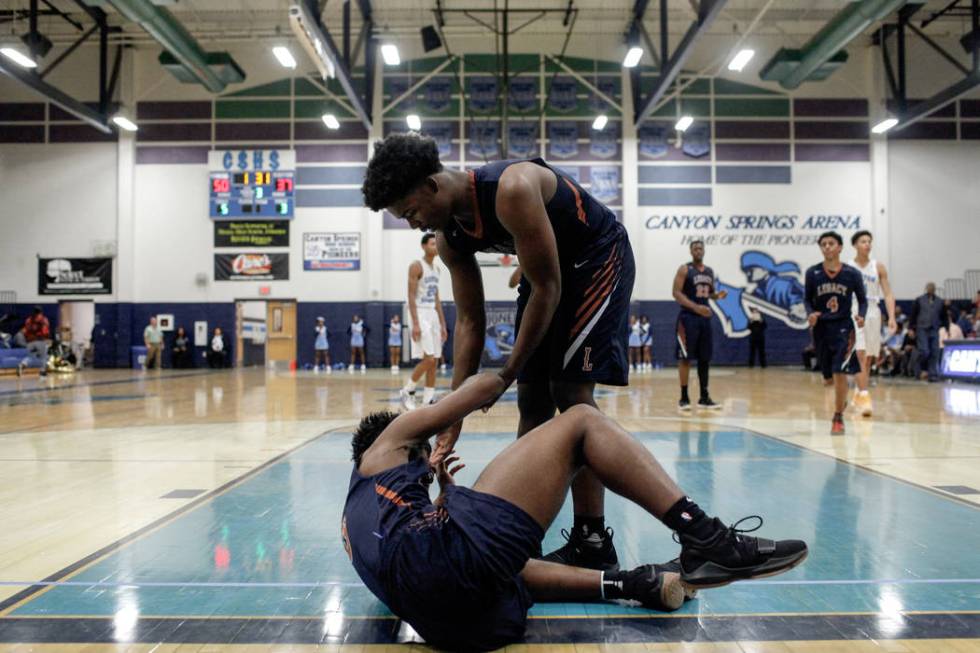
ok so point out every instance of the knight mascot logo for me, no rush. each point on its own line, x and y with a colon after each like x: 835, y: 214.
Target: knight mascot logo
x: 771, y: 288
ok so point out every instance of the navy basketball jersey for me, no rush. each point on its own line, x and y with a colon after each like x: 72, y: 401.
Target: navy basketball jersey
x: 376, y: 507
x: 831, y: 294
x: 580, y: 222
x: 699, y: 285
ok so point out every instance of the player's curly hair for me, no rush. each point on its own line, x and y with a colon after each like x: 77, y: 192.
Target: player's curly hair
x: 368, y: 431
x: 401, y: 162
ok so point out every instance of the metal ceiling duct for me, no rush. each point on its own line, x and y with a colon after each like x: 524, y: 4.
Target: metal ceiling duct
x: 835, y: 35
x: 173, y: 36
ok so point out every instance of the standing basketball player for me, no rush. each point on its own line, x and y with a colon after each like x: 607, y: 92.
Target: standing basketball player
x: 830, y: 287
x: 573, y: 299
x: 876, y: 287
x: 428, y: 322
x: 694, y: 285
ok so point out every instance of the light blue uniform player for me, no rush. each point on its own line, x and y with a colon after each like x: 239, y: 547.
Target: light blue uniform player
x: 321, y: 347
x: 357, y: 331
x: 395, y: 343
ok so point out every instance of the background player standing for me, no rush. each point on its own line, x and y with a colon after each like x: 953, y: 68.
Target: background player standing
x: 876, y: 287
x: 694, y: 285
x: 829, y: 288
x: 428, y: 322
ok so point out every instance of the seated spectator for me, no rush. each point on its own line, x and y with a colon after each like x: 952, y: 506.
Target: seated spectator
x: 217, y: 354
x: 892, y: 348
x: 966, y: 324
x: 949, y: 331
x: 909, y: 364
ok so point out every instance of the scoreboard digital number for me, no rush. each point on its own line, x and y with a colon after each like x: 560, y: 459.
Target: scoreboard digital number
x: 252, y: 194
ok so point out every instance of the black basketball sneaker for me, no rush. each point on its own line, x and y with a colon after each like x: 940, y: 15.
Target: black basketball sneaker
x: 592, y: 551
x: 657, y: 587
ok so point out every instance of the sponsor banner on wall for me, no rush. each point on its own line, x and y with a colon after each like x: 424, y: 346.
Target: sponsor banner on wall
x: 251, y: 266
x: 332, y: 251
x: 74, y: 276
x: 251, y: 233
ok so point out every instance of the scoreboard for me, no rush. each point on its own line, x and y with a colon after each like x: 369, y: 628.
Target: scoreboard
x: 251, y: 184
x: 252, y: 194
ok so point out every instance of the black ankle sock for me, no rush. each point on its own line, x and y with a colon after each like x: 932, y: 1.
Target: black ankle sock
x: 586, y: 525
x: 687, y: 518
x: 684, y: 396
x: 614, y: 585
x: 703, y: 378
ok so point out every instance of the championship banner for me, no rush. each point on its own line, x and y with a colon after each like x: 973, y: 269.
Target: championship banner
x: 697, y: 140
x: 251, y: 233
x: 438, y: 94
x: 74, y: 276
x: 603, y: 143
x: 605, y: 183
x: 326, y: 251
x: 521, y: 139
x: 397, y: 87
x: 251, y: 267
x: 523, y: 94
x: 563, y: 139
x: 483, y: 140
x: 653, y: 141
x: 483, y: 94
x: 442, y: 134
x: 563, y: 97
x: 609, y: 88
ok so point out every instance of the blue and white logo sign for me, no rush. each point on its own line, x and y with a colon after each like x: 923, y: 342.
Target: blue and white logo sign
x: 523, y: 94
x: 438, y: 94
x: 608, y: 87
x: 603, y: 143
x: 605, y: 183
x: 483, y: 94
x: 248, y: 160
x: 563, y: 94
x: 442, y: 134
x: 521, y: 140
x: 772, y: 288
x: 483, y: 140
x: 697, y: 140
x: 653, y: 141
x: 563, y: 139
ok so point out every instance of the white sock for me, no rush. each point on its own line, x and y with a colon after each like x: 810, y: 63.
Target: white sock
x: 428, y: 394
x: 410, y: 385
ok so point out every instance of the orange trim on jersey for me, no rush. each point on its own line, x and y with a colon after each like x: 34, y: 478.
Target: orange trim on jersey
x: 596, y: 302
x: 477, y: 218
x: 578, y: 201
x: 392, y: 496
x: 599, y: 283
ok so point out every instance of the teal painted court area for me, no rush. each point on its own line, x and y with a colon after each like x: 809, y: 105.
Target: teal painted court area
x: 270, y: 545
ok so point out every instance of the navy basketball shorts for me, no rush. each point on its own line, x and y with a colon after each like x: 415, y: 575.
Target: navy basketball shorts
x: 588, y: 339
x: 457, y: 580
x: 835, y: 341
x: 694, y: 342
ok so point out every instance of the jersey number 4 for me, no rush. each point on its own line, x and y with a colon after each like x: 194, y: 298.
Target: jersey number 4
x: 832, y: 305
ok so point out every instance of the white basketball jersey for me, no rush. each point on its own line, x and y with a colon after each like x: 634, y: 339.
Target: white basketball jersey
x: 872, y: 282
x: 425, y: 292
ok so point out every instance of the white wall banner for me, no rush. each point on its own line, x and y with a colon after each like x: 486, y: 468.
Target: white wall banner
x: 332, y: 251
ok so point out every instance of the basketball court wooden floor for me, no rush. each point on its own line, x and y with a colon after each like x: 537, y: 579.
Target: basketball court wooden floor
x: 199, y: 511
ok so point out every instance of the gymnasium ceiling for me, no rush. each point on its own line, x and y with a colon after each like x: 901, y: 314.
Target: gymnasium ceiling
x: 230, y: 21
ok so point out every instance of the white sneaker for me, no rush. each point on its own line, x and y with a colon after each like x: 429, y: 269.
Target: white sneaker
x: 864, y: 400
x: 394, y: 369
x: 350, y: 368
x: 443, y: 368
x: 363, y: 369
x: 316, y: 370
x: 407, y: 399
x: 329, y: 370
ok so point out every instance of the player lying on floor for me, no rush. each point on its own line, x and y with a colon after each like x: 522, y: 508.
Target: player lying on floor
x: 461, y: 571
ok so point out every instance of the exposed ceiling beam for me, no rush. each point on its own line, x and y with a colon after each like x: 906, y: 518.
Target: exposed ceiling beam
x: 709, y: 10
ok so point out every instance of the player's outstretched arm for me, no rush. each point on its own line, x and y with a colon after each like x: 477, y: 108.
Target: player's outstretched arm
x: 423, y: 423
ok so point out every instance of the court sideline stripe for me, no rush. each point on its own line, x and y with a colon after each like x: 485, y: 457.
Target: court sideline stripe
x: 20, y: 597
x: 27, y: 391
x: 315, y: 584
